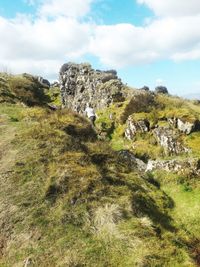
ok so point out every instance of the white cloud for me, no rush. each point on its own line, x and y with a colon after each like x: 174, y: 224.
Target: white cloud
x: 42, y: 44
x: 69, y: 8
x: 122, y: 44
x: 125, y: 44
x: 173, y: 7
x: 40, y: 41
x: 159, y: 82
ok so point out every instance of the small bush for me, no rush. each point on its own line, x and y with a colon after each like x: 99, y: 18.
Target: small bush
x: 140, y: 103
x: 161, y: 90
x: 28, y: 91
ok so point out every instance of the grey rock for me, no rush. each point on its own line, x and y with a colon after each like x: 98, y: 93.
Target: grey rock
x: 43, y: 82
x: 80, y: 84
x: 133, y: 127
x: 132, y: 162
x: 191, y: 166
x: 185, y: 126
x: 167, y: 138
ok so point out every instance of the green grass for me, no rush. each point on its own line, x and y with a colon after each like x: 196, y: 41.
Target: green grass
x: 70, y: 202
x: 67, y: 200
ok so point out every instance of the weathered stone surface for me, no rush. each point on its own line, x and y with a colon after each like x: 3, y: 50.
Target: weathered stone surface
x: 191, y: 166
x: 80, y: 84
x: 167, y: 138
x: 185, y: 126
x: 132, y: 162
x: 134, y: 127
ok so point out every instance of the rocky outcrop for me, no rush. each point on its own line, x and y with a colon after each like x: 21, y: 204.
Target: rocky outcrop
x: 80, y: 84
x: 168, y: 139
x: 125, y: 156
x: 43, y: 82
x: 189, y: 166
x: 134, y: 127
x: 185, y: 126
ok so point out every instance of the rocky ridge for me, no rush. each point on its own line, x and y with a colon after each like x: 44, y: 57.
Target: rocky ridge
x: 80, y: 84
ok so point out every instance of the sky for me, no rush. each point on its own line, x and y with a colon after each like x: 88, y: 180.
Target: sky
x: 148, y: 42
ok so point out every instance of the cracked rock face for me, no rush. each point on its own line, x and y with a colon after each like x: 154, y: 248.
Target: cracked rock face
x: 185, y: 126
x: 133, y: 127
x: 167, y: 138
x: 132, y: 162
x: 80, y: 84
x: 178, y: 166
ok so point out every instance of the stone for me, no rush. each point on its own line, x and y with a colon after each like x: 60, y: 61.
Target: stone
x: 167, y: 138
x: 133, y: 127
x: 43, y: 82
x: 185, y: 126
x: 191, y: 166
x: 131, y: 161
x: 80, y: 84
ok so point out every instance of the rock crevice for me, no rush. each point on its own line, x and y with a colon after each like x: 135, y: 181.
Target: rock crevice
x: 80, y: 84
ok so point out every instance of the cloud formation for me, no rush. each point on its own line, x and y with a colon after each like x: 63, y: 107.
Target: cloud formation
x: 40, y: 44
x: 164, y: 38
x: 173, y: 8
x: 55, y: 8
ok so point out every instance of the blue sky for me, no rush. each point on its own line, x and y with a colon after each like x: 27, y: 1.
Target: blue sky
x: 149, y: 42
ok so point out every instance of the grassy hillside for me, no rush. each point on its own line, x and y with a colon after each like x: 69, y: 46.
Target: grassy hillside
x: 157, y: 110
x: 67, y: 198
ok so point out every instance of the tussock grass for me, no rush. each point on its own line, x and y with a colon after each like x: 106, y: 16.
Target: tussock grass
x: 66, y: 199
x: 70, y: 202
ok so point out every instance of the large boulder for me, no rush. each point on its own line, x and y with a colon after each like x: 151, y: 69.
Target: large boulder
x: 80, y: 84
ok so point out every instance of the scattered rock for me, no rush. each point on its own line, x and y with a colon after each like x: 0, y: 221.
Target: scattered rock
x: 132, y: 162
x: 191, y: 166
x: 167, y: 138
x: 185, y: 126
x: 134, y: 126
x: 43, y: 82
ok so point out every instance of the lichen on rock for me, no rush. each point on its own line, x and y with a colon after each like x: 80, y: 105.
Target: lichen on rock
x: 80, y: 84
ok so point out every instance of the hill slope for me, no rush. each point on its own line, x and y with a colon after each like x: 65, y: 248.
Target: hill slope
x: 68, y: 199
